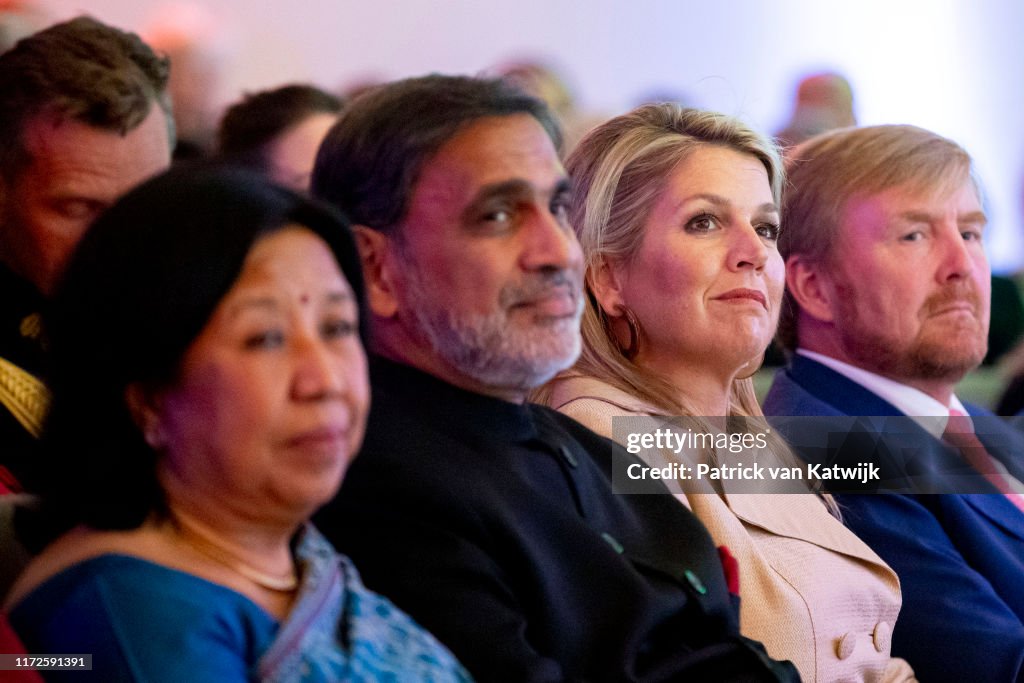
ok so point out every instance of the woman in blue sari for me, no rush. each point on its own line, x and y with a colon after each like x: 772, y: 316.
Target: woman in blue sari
x: 209, y: 391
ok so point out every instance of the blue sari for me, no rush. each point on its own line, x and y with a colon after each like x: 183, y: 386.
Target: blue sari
x: 145, y: 622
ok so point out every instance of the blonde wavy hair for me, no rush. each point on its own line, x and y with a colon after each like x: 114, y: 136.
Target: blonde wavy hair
x: 619, y: 170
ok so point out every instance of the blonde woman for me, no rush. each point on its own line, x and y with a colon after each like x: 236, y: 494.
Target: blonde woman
x: 677, y: 213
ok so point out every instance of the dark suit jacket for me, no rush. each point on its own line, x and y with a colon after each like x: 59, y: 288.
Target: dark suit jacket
x: 960, y: 557
x: 494, y: 525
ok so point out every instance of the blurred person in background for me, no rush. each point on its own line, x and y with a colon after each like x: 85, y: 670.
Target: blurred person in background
x: 279, y: 131
x: 543, y: 81
x: 822, y: 101
x: 197, y: 44
x: 84, y: 117
x: 19, y: 19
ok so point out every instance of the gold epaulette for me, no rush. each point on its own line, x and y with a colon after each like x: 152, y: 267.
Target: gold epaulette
x: 24, y: 395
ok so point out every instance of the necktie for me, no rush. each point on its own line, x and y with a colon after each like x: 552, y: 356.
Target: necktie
x: 960, y: 434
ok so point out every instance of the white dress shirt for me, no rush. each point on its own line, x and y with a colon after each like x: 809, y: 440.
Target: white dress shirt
x: 930, y: 414
x: 912, y: 402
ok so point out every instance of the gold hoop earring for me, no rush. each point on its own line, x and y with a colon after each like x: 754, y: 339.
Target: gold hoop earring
x: 634, y: 334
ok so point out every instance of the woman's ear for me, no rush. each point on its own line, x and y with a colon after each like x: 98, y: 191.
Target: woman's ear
x: 810, y: 287
x: 143, y: 405
x: 378, y: 270
x: 605, y: 280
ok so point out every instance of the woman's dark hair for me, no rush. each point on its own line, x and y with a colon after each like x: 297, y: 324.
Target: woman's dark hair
x: 138, y: 290
x: 252, y: 124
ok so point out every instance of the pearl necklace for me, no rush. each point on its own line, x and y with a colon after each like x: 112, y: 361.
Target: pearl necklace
x: 200, y: 540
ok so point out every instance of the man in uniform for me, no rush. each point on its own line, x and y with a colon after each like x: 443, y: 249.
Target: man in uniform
x: 84, y: 117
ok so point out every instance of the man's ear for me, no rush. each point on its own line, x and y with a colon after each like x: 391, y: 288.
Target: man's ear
x: 605, y: 282
x: 378, y: 270
x: 811, y: 287
x: 143, y: 405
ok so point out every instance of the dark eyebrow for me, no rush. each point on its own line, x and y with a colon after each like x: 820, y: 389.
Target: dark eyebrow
x: 563, y: 186
x: 516, y: 188
x: 65, y: 196
x: 715, y: 199
x: 270, y: 303
x: 339, y: 297
x: 719, y: 200
x: 258, y: 302
x: 507, y: 188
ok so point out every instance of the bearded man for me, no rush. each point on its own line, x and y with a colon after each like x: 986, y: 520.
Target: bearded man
x: 490, y: 520
x: 887, y: 308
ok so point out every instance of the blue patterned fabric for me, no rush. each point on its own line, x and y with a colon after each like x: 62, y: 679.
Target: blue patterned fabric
x: 145, y: 622
x: 340, y: 631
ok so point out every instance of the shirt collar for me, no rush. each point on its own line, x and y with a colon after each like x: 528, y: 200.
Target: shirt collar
x: 912, y: 402
x: 475, y: 417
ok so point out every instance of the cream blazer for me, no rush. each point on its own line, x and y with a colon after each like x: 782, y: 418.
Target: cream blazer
x: 811, y: 591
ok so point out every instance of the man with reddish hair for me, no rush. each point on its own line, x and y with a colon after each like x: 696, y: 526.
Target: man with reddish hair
x: 887, y: 308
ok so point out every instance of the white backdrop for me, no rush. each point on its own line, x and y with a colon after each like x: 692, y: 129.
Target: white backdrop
x: 954, y: 66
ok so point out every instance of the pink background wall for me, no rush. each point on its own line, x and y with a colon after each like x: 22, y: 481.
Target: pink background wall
x: 955, y: 66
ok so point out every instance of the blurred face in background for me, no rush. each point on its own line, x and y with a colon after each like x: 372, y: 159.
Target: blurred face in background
x: 290, y: 157
x: 75, y: 171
